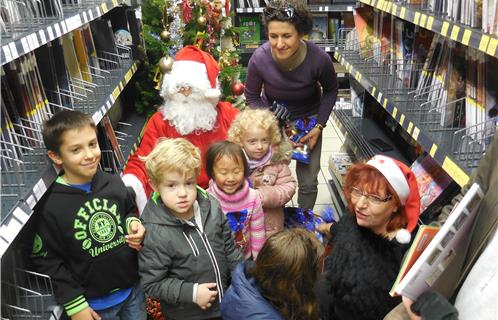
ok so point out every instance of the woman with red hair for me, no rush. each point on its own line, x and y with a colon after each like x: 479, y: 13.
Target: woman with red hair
x: 369, y: 241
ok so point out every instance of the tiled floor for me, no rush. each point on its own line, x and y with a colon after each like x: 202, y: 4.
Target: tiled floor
x: 333, y: 141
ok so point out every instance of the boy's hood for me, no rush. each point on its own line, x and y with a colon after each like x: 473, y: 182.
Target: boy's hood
x: 98, y: 184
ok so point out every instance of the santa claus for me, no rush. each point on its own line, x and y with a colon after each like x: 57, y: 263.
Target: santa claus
x: 192, y: 110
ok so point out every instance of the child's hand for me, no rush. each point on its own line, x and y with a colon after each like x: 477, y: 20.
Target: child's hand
x: 136, y: 235
x: 86, y: 314
x: 324, y: 228
x: 206, y: 294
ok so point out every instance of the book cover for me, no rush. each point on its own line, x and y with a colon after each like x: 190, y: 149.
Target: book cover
x: 70, y: 57
x: 431, y: 180
x: 422, y: 239
x: 251, y: 35
x: 449, y: 244
x: 82, y: 55
x: 363, y: 20
x: 319, y: 32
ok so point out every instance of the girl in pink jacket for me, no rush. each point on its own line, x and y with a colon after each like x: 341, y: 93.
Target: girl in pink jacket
x: 227, y: 168
x: 268, y: 156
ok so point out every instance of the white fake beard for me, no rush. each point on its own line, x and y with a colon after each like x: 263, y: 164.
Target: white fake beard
x: 188, y: 114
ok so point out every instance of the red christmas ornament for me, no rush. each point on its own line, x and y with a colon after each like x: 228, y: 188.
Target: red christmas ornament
x: 238, y: 88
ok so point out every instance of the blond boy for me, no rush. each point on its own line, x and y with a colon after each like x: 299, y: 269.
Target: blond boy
x: 188, y: 252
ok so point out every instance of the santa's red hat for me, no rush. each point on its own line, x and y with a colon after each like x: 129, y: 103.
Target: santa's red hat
x: 196, y: 68
x: 404, y: 182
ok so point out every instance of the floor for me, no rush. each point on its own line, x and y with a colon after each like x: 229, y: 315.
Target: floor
x: 333, y: 141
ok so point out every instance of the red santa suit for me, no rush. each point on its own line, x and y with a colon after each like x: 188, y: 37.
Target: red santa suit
x: 193, y: 69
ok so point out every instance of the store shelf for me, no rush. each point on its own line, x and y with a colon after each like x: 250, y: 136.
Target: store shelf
x: 471, y: 37
x: 358, y: 131
x: 334, y: 7
x: 41, y: 179
x: 438, y: 151
x: 337, y: 195
x: 36, y: 36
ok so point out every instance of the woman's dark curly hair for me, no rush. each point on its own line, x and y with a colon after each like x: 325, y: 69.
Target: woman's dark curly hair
x: 292, y: 11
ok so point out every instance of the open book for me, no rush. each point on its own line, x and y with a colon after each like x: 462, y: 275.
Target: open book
x: 422, y: 239
x: 449, y: 242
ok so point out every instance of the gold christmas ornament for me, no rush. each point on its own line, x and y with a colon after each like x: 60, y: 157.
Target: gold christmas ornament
x: 165, y: 35
x: 166, y: 64
x: 202, y: 20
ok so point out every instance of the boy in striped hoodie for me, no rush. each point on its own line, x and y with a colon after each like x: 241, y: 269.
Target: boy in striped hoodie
x: 228, y: 170
x: 188, y: 252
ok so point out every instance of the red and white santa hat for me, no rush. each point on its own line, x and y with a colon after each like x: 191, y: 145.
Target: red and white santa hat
x: 404, y: 182
x: 197, y: 68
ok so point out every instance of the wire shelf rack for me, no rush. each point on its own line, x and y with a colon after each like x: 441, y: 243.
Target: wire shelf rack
x: 29, y: 296
x: 422, y: 99
x: 22, y: 155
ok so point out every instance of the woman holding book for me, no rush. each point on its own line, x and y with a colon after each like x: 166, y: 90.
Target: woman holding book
x: 296, y: 79
x: 369, y: 242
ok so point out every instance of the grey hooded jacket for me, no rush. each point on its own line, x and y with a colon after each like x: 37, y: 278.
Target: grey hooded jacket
x: 177, y: 254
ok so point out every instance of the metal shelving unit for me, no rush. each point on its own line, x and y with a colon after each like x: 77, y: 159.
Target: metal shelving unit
x: 26, y: 177
x: 28, y: 185
x: 422, y: 17
x: 28, y: 32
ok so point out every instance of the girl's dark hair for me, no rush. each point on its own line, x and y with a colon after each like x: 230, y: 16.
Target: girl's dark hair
x: 63, y: 121
x: 292, y: 11
x: 287, y: 269
x: 225, y: 148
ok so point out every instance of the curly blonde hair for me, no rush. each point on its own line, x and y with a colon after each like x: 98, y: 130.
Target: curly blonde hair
x: 286, y: 271
x: 250, y: 118
x: 172, y: 155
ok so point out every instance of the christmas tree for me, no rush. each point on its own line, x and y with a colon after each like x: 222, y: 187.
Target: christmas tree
x: 170, y: 25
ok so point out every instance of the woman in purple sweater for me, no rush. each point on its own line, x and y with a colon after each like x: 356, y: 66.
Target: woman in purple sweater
x: 298, y: 75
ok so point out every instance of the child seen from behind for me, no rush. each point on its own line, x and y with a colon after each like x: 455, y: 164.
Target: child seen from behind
x: 87, y: 231
x: 279, y: 284
x: 188, y: 252
x: 268, y: 155
x: 227, y: 168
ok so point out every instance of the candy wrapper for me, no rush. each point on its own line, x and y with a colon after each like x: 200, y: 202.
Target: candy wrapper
x: 305, y: 218
x: 295, y: 131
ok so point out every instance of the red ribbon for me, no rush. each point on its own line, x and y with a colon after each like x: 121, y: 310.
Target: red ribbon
x: 186, y: 11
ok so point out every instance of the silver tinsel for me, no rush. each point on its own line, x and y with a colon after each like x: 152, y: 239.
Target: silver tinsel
x: 176, y: 26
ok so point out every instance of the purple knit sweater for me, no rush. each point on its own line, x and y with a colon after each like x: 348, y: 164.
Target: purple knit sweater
x: 254, y: 227
x: 298, y: 89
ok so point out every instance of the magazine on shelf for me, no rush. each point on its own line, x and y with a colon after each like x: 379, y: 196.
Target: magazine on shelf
x: 320, y: 29
x: 422, y: 239
x: 250, y: 36
x: 448, y: 244
x: 432, y: 180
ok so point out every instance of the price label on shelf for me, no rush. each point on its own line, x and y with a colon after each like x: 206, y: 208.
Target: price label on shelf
x: 50, y: 34
x: 57, y: 29
x: 433, y: 150
x: 483, y: 44
x: 13, y: 50
x: 492, y: 46
x: 466, y: 37
x: 10, y: 230
x: 430, y: 21
x: 73, y: 22
x: 454, y: 33
x: 25, y: 45
x: 43, y: 39
x: 21, y: 215
x: 6, y: 53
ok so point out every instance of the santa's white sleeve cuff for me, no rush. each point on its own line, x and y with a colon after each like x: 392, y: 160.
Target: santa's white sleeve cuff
x: 131, y: 180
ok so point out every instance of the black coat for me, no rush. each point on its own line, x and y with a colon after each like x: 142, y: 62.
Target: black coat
x: 359, y: 273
